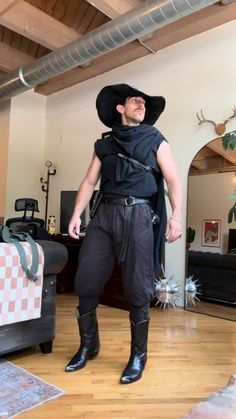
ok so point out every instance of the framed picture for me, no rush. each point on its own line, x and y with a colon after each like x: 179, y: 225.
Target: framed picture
x: 211, y: 231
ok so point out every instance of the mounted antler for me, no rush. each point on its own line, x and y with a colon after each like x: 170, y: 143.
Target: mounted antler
x: 201, y: 121
x: 219, y: 128
x: 232, y: 116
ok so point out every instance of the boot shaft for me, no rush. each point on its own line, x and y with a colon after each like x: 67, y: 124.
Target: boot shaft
x: 89, y: 344
x: 139, y: 337
x: 88, y: 326
x: 138, y: 355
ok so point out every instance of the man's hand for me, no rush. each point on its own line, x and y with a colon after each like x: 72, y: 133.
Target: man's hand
x: 74, y: 227
x: 173, y: 230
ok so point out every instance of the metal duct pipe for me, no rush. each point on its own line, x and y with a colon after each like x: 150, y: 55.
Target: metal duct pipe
x: 153, y: 14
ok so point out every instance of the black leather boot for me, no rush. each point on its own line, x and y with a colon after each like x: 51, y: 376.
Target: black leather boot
x: 89, y: 345
x: 138, y: 356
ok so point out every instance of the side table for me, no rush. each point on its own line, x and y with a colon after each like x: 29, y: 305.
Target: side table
x: 65, y: 279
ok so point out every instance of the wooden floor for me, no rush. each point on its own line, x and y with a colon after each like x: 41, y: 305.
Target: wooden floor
x: 190, y: 356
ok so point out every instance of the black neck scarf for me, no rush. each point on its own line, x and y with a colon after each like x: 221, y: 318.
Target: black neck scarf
x: 135, y: 142
x: 130, y: 137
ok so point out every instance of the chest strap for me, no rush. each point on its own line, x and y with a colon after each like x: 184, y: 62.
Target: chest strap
x: 138, y: 163
x: 115, y: 147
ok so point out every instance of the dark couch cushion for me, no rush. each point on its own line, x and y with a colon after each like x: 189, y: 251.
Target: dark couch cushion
x: 55, y: 255
x: 212, y: 259
x: 215, y: 275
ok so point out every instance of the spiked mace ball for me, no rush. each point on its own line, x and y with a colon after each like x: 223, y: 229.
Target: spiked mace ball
x: 166, y: 291
x: 191, y: 291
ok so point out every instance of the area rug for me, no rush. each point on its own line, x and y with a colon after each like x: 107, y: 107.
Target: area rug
x: 219, y: 405
x: 21, y: 391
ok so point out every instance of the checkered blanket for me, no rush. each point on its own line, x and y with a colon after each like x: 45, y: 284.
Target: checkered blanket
x: 20, y: 298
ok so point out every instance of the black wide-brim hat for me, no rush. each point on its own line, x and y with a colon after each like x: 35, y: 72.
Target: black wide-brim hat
x: 111, y: 96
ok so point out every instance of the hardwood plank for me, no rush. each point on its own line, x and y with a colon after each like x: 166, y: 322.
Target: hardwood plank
x: 60, y: 9
x: 49, y: 6
x: 24, y: 44
x: 38, y: 26
x: 40, y: 4
x: 87, y: 19
x: 72, y: 10
x: 190, y: 356
x: 78, y: 20
x: 41, y: 51
x: 98, y: 20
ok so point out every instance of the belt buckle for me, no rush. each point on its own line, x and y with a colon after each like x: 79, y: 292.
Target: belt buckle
x: 129, y: 201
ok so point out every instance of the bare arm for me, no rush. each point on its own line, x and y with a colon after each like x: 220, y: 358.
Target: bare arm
x: 84, y: 194
x: 168, y: 167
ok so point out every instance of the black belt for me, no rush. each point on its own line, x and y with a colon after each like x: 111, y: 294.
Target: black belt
x: 128, y: 202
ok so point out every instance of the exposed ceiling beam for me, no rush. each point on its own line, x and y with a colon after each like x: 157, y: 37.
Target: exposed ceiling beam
x: 200, y: 160
x: 217, y: 146
x: 184, y: 28
x: 114, y: 8
x: 27, y: 20
x: 199, y: 164
x: 11, y: 58
x: 7, y: 4
x: 194, y: 172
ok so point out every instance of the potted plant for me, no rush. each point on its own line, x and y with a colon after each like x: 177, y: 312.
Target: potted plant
x: 190, y: 236
x: 229, y: 140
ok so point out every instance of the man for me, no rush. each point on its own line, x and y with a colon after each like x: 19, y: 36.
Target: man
x: 131, y: 162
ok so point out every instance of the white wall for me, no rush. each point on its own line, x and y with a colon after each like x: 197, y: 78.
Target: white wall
x: 208, y: 198
x: 71, y: 129
x: 193, y: 74
x: 26, y: 150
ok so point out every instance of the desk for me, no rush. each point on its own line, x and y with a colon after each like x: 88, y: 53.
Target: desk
x: 113, y: 293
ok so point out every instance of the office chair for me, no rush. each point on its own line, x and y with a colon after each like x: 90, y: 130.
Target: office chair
x: 27, y: 222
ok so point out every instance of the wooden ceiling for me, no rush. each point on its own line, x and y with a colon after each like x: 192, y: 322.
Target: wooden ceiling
x: 30, y: 29
x: 213, y: 158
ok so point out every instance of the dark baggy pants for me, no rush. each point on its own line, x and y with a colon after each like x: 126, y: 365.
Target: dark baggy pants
x: 101, y: 248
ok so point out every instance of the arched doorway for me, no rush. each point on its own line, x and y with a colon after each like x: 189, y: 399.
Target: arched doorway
x: 210, y: 260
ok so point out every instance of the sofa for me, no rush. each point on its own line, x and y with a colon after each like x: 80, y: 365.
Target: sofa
x: 40, y: 331
x: 215, y: 274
